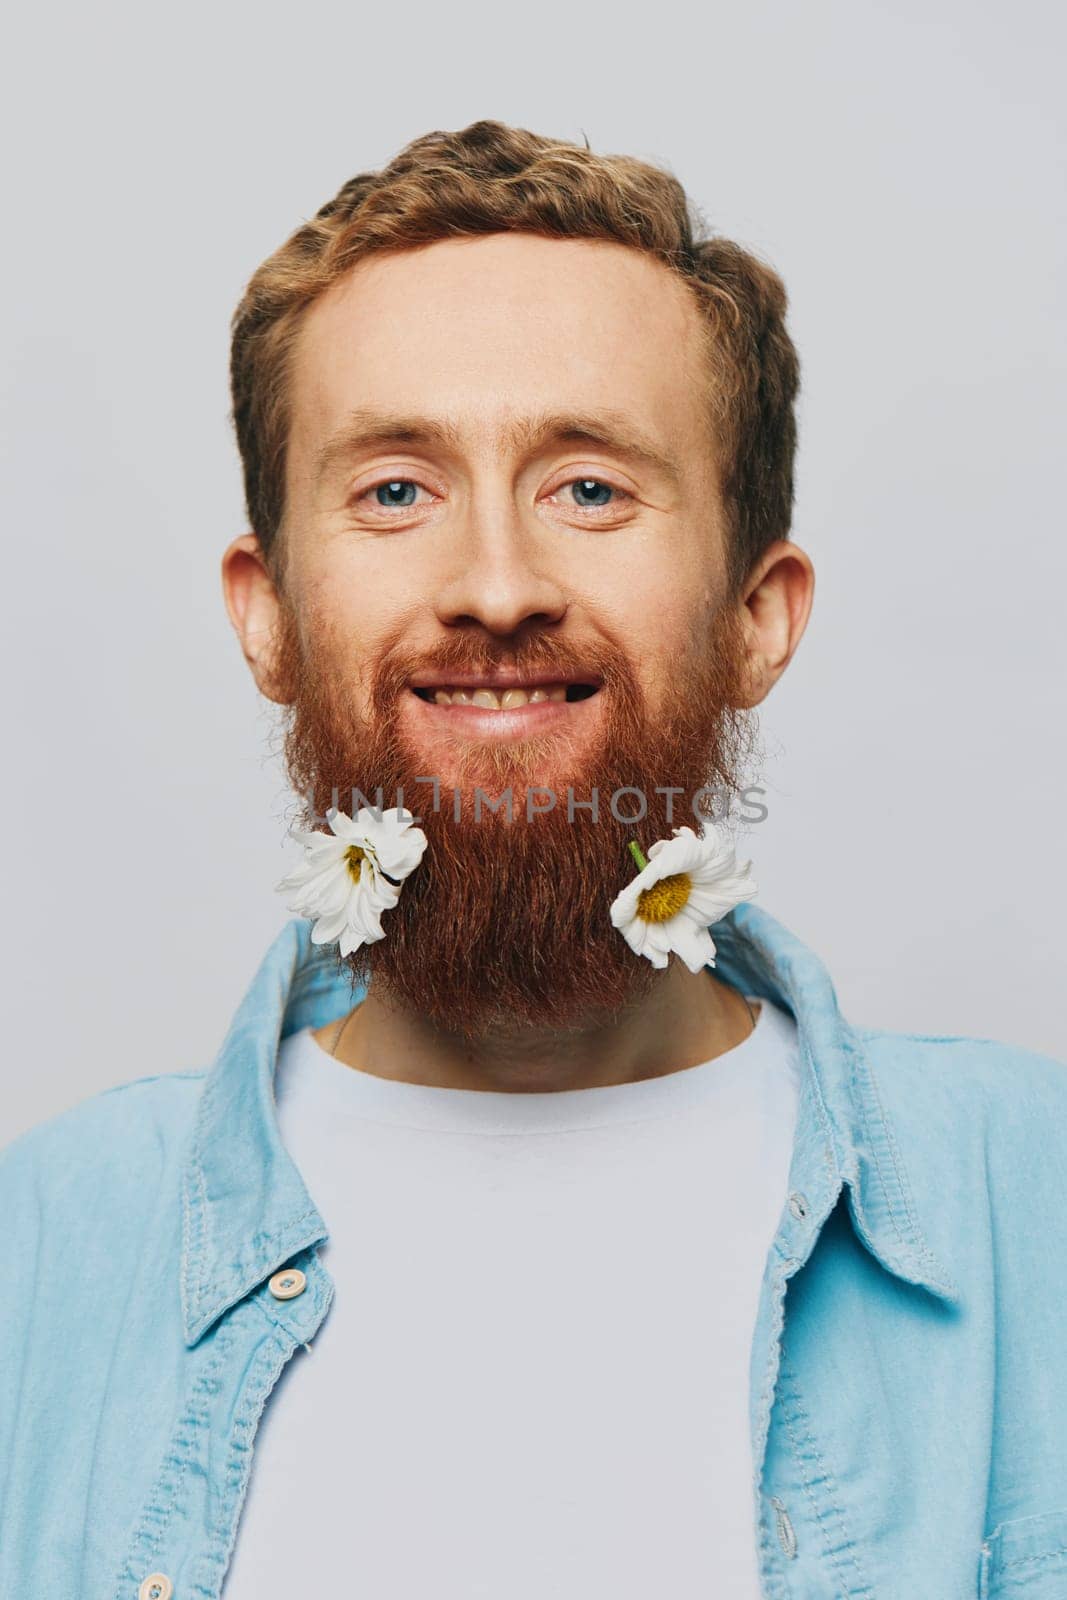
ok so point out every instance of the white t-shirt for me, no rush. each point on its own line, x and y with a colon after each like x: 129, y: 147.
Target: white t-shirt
x: 533, y: 1379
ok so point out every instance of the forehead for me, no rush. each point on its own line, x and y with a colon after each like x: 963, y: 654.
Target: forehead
x: 491, y: 328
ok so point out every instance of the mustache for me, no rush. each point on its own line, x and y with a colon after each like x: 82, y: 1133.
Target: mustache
x: 480, y: 655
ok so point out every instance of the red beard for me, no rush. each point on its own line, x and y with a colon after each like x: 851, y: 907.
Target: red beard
x: 506, y: 923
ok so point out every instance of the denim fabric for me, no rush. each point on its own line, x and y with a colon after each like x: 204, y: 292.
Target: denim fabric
x: 908, y: 1390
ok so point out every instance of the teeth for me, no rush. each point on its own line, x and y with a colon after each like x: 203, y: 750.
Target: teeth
x: 504, y: 700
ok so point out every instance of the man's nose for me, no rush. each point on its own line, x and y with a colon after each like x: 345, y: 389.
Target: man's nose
x: 501, y: 575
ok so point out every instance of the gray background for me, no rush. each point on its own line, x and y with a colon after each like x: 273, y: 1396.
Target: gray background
x: 901, y: 165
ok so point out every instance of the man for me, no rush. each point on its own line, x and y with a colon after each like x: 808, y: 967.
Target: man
x: 510, y: 1246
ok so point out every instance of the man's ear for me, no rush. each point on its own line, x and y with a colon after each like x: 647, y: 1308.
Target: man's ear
x: 254, y: 608
x: 775, y: 606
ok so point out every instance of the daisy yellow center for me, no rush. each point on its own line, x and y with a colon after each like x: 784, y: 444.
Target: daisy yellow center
x: 664, y: 899
x: 353, y: 856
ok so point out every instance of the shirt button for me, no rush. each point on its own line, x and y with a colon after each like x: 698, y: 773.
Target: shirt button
x: 798, y: 1205
x: 157, y: 1586
x: 285, y: 1285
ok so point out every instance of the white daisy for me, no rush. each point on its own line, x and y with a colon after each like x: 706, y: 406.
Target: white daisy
x: 686, y: 884
x: 344, y: 877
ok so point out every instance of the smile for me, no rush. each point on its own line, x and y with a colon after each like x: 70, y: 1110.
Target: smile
x: 501, y: 706
x: 510, y: 697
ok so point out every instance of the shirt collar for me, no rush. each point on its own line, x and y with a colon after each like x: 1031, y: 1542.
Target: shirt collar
x: 843, y: 1134
x: 246, y: 1210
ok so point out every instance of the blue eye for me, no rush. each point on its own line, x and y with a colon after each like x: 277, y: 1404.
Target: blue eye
x: 595, y: 485
x: 393, y: 490
x: 587, y: 494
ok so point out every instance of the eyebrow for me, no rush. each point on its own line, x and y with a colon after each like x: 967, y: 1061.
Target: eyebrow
x: 367, y: 429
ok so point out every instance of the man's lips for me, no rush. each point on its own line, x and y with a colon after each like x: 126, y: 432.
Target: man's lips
x: 500, y: 706
x: 502, y: 691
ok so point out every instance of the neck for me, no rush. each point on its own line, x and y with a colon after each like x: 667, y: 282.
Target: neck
x: 686, y: 1018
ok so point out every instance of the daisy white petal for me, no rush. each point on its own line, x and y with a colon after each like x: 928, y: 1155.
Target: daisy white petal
x: 688, y: 882
x: 711, y: 902
x: 329, y: 927
x: 680, y: 854
x: 364, y: 926
x: 624, y: 905
x: 643, y: 941
x: 397, y: 846
x: 322, y: 847
x: 340, y: 883
x: 342, y: 825
x: 692, y: 942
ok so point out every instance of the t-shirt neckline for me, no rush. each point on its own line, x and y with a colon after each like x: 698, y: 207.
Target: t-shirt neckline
x: 347, y: 1092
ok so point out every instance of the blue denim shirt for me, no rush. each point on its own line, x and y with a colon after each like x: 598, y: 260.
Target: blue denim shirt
x: 908, y: 1387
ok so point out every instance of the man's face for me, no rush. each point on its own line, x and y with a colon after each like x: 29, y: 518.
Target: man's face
x: 501, y: 474
x: 487, y: 537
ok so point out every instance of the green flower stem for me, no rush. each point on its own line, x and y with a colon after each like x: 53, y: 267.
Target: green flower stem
x: 638, y: 855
